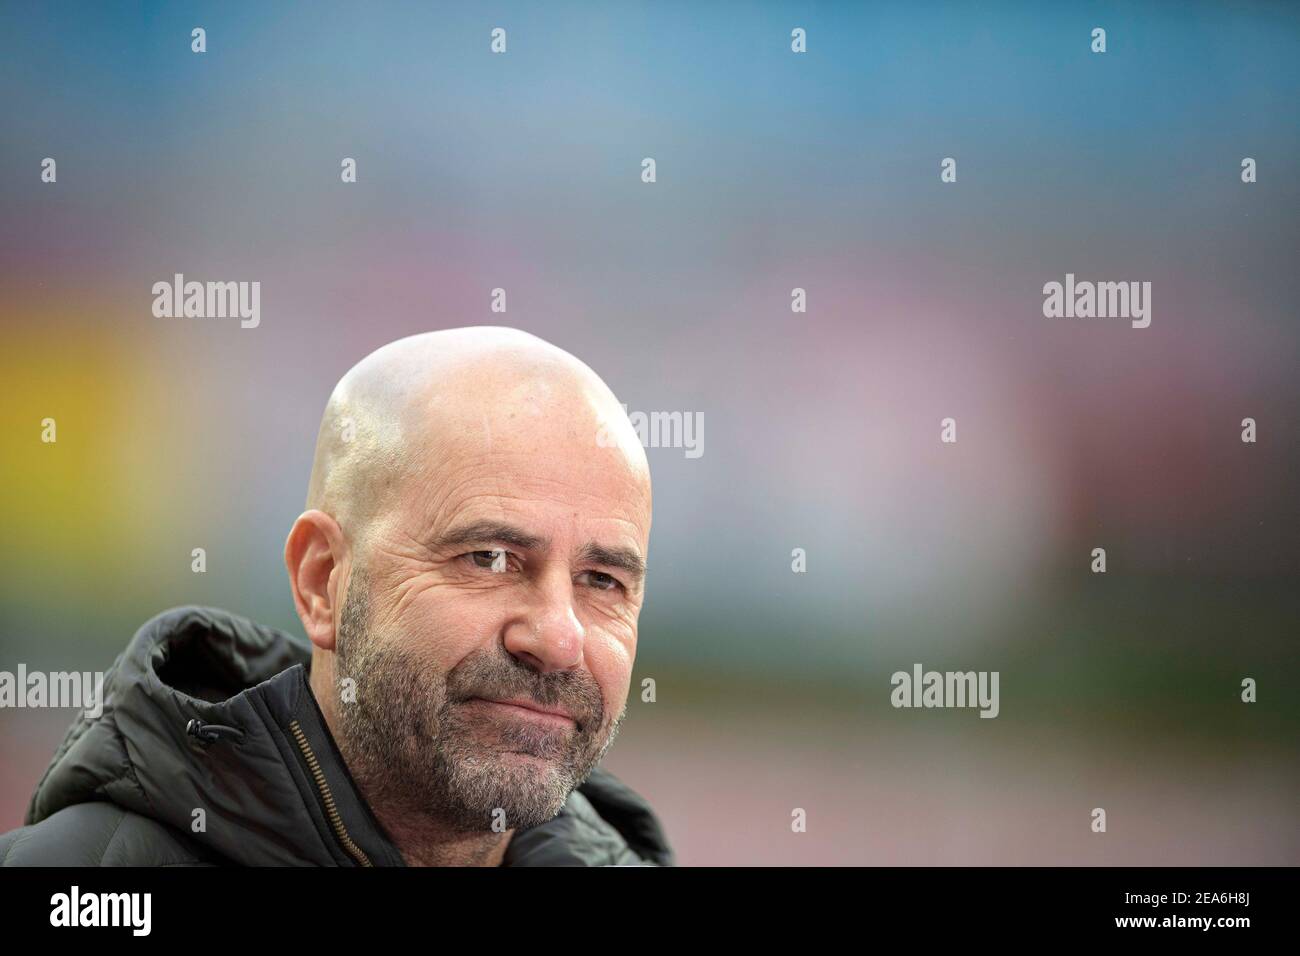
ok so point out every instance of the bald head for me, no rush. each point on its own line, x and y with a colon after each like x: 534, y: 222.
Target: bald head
x: 418, y: 402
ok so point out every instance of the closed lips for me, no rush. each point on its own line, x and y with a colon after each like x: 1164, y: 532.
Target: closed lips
x: 530, y: 706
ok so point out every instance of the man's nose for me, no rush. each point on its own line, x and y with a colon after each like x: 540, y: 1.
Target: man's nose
x: 548, y: 636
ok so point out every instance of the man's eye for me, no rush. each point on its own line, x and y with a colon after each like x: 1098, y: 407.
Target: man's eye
x: 494, y: 560
x: 602, y: 581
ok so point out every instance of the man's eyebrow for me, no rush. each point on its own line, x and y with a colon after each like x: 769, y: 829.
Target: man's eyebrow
x: 625, y: 558
x: 484, y: 532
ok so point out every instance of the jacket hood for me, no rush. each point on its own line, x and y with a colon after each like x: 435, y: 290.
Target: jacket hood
x: 208, y: 716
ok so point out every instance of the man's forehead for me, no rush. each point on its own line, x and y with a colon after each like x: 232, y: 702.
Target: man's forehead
x: 542, y: 518
x: 422, y: 415
x: 543, y: 495
x: 526, y: 448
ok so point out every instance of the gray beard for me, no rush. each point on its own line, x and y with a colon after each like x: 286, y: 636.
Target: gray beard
x: 411, y: 745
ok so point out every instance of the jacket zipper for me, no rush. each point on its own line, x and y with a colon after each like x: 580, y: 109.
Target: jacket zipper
x: 331, y: 811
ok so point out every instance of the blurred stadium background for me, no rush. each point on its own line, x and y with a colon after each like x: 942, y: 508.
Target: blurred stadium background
x: 821, y: 430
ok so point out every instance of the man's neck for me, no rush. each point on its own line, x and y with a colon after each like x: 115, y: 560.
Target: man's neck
x: 424, y: 842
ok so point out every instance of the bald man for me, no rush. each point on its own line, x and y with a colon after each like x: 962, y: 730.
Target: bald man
x: 469, y: 573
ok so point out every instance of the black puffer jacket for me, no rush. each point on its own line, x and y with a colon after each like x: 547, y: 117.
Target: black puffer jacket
x: 208, y: 717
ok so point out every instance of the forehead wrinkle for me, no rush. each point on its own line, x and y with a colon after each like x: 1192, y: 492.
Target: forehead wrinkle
x: 468, y: 511
x: 506, y: 487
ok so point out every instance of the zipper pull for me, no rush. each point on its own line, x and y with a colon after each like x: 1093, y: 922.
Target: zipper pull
x: 209, y: 733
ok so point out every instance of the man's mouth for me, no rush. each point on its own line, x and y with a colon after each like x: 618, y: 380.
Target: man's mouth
x: 521, y: 708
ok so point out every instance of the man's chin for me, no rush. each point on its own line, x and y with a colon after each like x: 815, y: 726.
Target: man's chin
x: 519, y: 771
x: 509, y: 789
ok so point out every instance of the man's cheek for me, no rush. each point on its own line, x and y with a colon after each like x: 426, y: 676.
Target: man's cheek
x: 452, y: 620
x: 612, y: 670
x: 616, y: 649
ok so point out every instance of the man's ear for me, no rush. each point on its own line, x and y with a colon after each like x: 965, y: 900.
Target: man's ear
x: 313, y: 553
